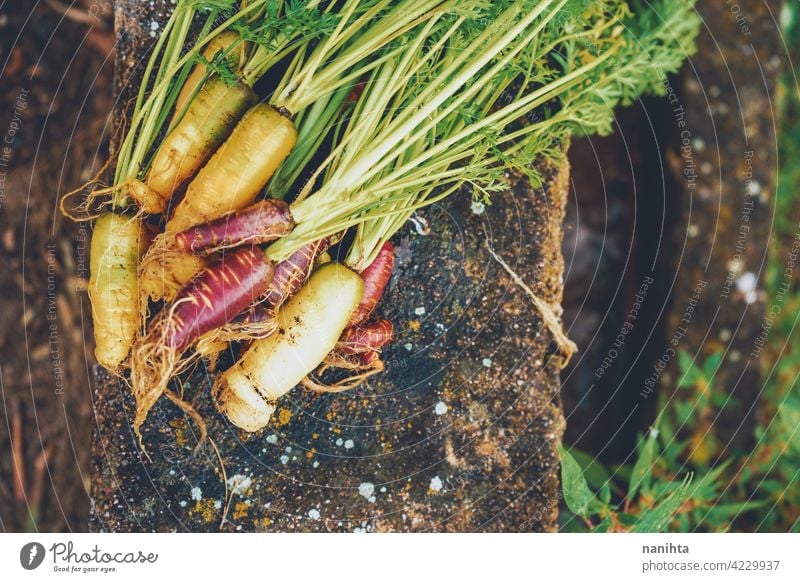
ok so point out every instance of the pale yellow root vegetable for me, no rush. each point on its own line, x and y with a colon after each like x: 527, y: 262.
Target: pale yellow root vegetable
x: 117, y: 244
x: 309, y: 325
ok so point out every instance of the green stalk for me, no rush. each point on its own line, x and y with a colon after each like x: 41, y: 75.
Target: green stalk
x: 428, y: 139
x: 351, y: 48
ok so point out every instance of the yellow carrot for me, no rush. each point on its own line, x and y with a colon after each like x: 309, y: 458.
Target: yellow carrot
x: 208, y: 120
x: 117, y: 244
x: 238, y: 170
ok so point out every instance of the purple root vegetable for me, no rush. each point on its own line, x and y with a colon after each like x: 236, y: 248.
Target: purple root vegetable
x: 212, y: 299
x: 293, y: 272
x: 217, y: 295
x: 366, y: 337
x: 262, y: 222
x: 376, y: 277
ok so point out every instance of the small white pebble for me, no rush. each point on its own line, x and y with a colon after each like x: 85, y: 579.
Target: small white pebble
x: 284, y: 459
x: 409, y: 347
x: 196, y: 493
x: 436, y: 484
x: 348, y: 444
x: 477, y: 207
x: 182, y: 503
x: 339, y: 442
x: 746, y: 283
x: 153, y: 25
x: 315, y: 464
x: 753, y: 187
x: 441, y: 408
x: 383, y: 489
x: 419, y: 311
x: 239, y: 484
x: 272, y: 439
x: 699, y: 144
x: 313, y: 514
x: 217, y: 504
x: 487, y: 362
x: 366, y: 490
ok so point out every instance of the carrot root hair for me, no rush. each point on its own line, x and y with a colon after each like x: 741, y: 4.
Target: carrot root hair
x: 363, y: 366
x: 154, y: 363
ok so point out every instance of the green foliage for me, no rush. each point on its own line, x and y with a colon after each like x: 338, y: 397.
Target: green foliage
x: 577, y: 495
x: 756, y: 490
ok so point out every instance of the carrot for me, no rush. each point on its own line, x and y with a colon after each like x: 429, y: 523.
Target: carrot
x: 376, y: 277
x: 260, y: 321
x: 238, y: 170
x: 215, y: 297
x: 224, y: 42
x: 262, y: 222
x: 117, y: 243
x: 291, y: 273
x: 309, y: 325
x: 218, y: 295
x: 206, y: 123
x: 364, y: 338
x: 205, y: 111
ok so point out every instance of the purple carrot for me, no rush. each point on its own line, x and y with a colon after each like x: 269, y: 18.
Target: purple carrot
x: 262, y: 222
x: 256, y: 314
x: 376, y: 277
x: 291, y: 273
x: 365, y: 338
x: 217, y: 295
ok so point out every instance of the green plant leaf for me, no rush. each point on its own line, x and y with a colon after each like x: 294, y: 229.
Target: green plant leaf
x: 577, y: 495
x: 711, y: 364
x: 642, y: 473
x: 689, y: 370
x: 657, y: 518
x: 596, y: 474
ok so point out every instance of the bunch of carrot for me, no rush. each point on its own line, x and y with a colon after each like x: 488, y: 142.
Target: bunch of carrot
x: 383, y: 107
